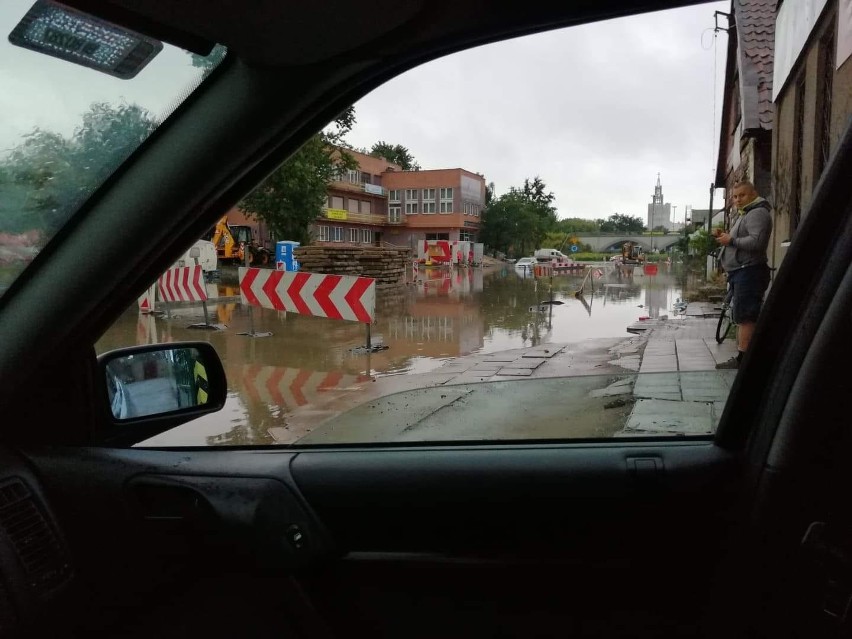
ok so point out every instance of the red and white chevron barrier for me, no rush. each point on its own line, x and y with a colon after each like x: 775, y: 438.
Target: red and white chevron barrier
x: 183, y: 284
x: 343, y: 297
x: 289, y: 388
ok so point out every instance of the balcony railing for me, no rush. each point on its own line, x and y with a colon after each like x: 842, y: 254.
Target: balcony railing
x: 371, y: 189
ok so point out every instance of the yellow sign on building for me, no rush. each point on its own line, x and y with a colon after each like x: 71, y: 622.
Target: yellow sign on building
x: 336, y: 214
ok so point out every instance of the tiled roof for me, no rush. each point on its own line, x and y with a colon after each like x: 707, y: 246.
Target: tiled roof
x: 755, y: 20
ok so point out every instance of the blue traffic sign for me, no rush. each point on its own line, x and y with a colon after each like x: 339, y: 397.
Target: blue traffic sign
x: 574, y: 248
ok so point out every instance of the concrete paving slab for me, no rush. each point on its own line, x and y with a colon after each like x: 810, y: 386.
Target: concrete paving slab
x: 687, y: 418
x: 545, y: 353
x: 657, y: 368
x: 631, y: 362
x: 515, y: 372
x: 658, y: 359
x: 486, y: 366
x: 622, y: 387
x: 471, y: 377
x: 530, y: 363
x: 455, y: 367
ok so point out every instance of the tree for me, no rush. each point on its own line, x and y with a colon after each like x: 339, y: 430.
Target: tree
x: 519, y: 219
x: 48, y: 175
x: 292, y: 197
x: 489, y: 194
x: 619, y: 223
x: 395, y: 153
x: 209, y: 62
x: 577, y: 225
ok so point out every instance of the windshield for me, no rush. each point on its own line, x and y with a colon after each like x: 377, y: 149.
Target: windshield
x: 67, y: 127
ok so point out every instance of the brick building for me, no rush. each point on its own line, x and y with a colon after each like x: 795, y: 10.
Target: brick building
x: 380, y: 203
x: 813, y: 102
x: 443, y: 204
x: 356, y: 212
x: 748, y: 115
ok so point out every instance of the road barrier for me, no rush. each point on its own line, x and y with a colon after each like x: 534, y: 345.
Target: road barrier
x: 182, y: 284
x: 343, y: 297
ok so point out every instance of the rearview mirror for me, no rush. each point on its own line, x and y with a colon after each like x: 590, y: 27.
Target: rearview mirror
x: 184, y: 379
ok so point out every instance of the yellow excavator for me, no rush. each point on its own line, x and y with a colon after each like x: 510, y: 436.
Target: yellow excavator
x: 632, y: 253
x: 233, y: 240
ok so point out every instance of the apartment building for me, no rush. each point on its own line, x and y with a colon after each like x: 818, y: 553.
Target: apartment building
x: 441, y: 204
x: 356, y: 212
x: 380, y: 203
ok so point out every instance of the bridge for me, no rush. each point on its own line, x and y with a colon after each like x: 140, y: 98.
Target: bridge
x: 604, y: 242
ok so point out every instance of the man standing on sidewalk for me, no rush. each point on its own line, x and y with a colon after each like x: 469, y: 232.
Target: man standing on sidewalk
x: 744, y: 260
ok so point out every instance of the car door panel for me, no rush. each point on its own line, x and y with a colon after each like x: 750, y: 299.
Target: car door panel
x: 508, y: 535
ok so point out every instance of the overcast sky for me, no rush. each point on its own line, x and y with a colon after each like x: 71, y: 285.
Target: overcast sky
x: 596, y: 111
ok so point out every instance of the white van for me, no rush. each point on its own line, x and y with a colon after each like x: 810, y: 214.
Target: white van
x: 548, y: 255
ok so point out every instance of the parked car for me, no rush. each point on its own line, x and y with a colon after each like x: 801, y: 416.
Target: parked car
x: 526, y: 262
x: 743, y: 533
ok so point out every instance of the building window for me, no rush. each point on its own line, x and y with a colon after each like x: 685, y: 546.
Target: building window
x: 429, y: 201
x: 337, y: 233
x: 353, y: 235
x: 394, y: 214
x: 467, y: 236
x: 412, y: 195
x: 437, y: 236
x: 335, y: 202
x: 826, y: 80
x: 393, y: 195
x: 365, y: 206
x: 446, y: 200
x: 366, y: 236
x: 353, y: 176
x: 798, y: 137
x: 323, y: 234
x: 366, y: 178
x: 410, y: 208
x: 352, y: 205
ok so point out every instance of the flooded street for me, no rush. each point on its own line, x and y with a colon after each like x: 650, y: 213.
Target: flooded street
x: 443, y: 315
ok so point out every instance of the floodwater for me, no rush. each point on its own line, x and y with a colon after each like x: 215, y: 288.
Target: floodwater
x: 443, y: 315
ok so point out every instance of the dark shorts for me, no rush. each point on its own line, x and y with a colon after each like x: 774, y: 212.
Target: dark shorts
x: 749, y: 285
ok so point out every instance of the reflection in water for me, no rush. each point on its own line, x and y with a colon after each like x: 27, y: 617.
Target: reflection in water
x: 443, y: 314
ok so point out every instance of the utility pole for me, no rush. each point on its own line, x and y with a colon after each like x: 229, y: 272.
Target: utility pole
x: 709, y: 230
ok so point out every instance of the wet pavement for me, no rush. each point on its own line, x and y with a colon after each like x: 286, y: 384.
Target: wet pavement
x: 445, y: 328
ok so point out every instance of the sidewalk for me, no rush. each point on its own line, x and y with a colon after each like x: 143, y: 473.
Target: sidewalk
x: 678, y: 392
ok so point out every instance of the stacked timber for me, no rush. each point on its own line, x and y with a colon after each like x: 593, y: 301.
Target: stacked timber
x: 386, y: 265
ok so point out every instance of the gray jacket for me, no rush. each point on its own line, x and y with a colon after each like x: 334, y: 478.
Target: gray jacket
x: 750, y: 235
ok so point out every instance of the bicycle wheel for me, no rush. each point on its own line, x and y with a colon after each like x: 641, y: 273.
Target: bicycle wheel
x: 724, y: 325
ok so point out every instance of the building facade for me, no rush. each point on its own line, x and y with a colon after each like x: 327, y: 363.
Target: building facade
x: 748, y: 114
x: 813, y: 101
x: 379, y: 203
x: 442, y: 204
x: 356, y: 211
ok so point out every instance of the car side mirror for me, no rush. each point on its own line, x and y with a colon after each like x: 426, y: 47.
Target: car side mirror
x: 150, y: 389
